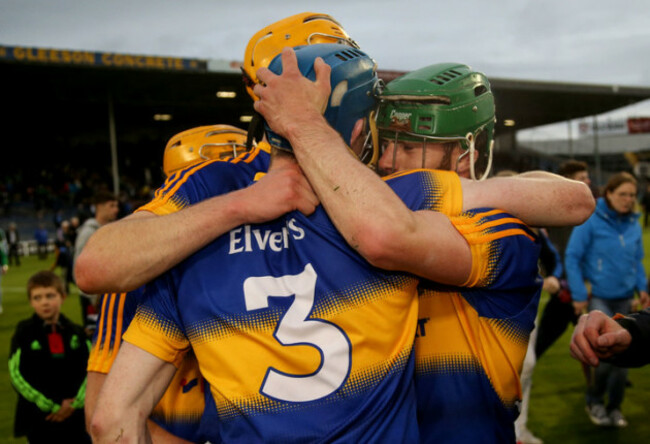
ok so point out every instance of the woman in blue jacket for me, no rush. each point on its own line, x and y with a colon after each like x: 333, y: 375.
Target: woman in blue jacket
x: 607, y: 251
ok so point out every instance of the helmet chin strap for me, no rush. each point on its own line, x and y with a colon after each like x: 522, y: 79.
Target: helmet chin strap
x: 472, y: 158
x: 372, y: 138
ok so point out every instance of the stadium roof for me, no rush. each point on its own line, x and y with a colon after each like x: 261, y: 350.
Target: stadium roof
x: 63, y: 98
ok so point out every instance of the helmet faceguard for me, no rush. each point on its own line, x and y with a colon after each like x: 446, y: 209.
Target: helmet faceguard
x: 353, y: 78
x: 441, y: 103
x: 203, y: 143
x: 307, y: 28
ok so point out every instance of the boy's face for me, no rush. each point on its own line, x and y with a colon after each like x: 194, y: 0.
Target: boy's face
x: 46, y: 302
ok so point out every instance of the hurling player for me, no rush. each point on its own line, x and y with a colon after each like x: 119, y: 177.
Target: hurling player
x: 474, y: 323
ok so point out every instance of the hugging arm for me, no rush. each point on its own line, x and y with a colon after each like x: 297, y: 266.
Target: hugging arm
x: 126, y: 254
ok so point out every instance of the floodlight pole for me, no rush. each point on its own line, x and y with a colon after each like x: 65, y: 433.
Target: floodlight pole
x: 113, y: 140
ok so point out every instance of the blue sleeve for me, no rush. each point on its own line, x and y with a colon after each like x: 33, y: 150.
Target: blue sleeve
x: 573, y: 257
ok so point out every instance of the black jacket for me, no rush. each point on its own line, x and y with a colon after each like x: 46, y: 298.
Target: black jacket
x: 638, y: 353
x: 45, y: 369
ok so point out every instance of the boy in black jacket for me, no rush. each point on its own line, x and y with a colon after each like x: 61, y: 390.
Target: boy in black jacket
x: 47, y: 367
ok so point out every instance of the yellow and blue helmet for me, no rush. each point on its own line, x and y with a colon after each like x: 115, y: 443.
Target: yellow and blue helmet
x: 307, y: 28
x: 203, y: 143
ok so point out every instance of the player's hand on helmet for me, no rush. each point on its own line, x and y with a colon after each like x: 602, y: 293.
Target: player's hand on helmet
x: 290, y: 98
x: 278, y: 192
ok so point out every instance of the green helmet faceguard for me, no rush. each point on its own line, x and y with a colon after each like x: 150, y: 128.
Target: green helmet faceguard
x: 445, y: 102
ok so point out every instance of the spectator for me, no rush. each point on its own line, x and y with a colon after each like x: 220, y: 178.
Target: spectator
x: 105, y: 210
x: 607, y: 251
x: 63, y: 253
x: 41, y: 237
x: 621, y: 340
x: 47, y: 367
x: 13, y: 239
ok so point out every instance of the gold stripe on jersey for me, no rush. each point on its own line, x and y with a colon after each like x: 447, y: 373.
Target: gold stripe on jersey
x: 266, y: 320
x: 358, y: 382
x: 458, y: 341
x: 97, y: 349
x: 481, y: 235
x: 103, y: 353
x: 235, y: 356
x: 109, y: 329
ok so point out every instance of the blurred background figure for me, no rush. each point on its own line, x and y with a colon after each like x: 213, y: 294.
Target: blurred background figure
x: 63, y: 253
x: 41, y: 237
x: 105, y: 207
x: 13, y: 239
x: 606, y: 251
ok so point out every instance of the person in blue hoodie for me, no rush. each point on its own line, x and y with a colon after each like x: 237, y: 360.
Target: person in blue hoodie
x: 607, y: 251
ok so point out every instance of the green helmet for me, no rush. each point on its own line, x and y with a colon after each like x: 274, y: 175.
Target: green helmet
x: 442, y: 103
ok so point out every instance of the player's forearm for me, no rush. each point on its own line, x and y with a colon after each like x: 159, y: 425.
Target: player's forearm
x: 127, y: 254
x: 538, y: 198
x: 133, y: 387
x: 369, y: 215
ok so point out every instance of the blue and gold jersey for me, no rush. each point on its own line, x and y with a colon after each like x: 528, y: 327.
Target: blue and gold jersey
x: 299, y: 337
x: 471, y: 340
x: 116, y: 310
x: 181, y: 408
x: 175, y: 194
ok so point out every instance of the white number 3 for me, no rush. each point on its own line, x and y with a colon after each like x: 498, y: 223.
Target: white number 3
x: 295, y: 328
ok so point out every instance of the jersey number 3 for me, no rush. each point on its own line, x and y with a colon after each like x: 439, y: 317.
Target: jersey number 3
x: 294, y: 328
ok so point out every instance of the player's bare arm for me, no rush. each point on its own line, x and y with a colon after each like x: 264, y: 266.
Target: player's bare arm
x: 134, y: 386
x: 126, y: 254
x: 538, y: 198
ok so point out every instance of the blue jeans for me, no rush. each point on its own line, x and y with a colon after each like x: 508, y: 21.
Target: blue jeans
x: 609, y: 378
